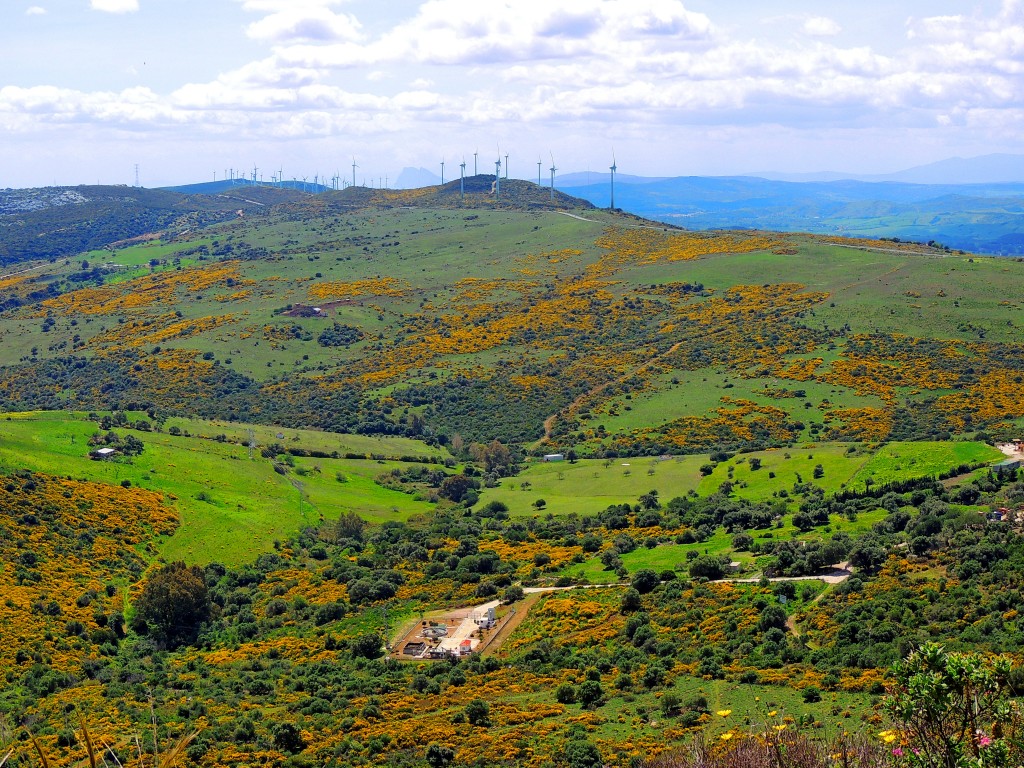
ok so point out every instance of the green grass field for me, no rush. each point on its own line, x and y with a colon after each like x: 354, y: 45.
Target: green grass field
x: 308, y: 439
x: 789, y: 465
x: 591, y: 485
x: 232, y: 508
x: 900, y: 461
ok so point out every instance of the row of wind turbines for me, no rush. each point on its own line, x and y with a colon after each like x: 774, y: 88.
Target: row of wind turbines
x: 337, y: 181
x: 238, y: 176
x: 497, y: 174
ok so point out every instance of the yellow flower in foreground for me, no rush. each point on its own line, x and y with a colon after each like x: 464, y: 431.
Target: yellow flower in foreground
x: 781, y: 727
x: 887, y: 736
x: 726, y: 736
x: 725, y: 712
x: 773, y: 713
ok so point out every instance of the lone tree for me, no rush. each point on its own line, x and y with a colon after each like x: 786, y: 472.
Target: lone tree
x: 645, y: 580
x: 439, y: 755
x: 173, y: 605
x: 478, y: 712
x: 708, y: 567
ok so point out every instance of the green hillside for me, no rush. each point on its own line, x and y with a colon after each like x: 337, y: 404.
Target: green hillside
x: 604, y: 333
x: 776, y: 479
x: 233, y: 506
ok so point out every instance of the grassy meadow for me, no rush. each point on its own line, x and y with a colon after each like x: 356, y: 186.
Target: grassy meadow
x: 587, y: 486
x: 232, y: 508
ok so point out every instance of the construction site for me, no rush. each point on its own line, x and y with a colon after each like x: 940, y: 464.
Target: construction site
x: 454, y: 634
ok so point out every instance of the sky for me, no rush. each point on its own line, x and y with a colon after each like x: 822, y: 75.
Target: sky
x: 187, y: 90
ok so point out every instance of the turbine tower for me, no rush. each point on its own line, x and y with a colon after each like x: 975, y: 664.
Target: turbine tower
x: 442, y: 172
x: 538, y: 171
x: 462, y: 180
x: 506, y: 165
x: 553, y: 169
x: 497, y: 177
x: 354, y: 166
x: 613, y: 169
x: 474, y: 161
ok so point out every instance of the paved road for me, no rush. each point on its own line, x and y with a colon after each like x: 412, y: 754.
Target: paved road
x: 22, y: 272
x: 837, y: 575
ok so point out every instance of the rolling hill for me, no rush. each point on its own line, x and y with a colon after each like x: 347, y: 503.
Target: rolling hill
x: 518, y: 319
x: 361, y: 415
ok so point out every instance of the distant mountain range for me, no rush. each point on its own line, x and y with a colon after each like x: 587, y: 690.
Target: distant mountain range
x: 974, y: 204
x: 987, y: 169
x: 984, y: 218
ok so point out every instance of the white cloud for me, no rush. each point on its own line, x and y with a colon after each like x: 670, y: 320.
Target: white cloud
x: 276, y: 6
x: 311, y: 24
x: 114, y: 6
x: 455, y: 33
x: 35, y: 10
x: 821, y: 26
x: 642, y: 67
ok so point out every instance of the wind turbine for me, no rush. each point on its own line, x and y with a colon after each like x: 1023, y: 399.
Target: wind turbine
x: 442, y: 171
x: 613, y: 169
x: 462, y: 180
x: 553, y: 169
x: 254, y: 169
x: 506, y: 165
x: 497, y: 176
x: 304, y: 189
x: 538, y: 171
x: 474, y: 161
x: 354, y: 166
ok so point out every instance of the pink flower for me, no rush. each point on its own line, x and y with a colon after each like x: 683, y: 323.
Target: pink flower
x: 984, y: 741
x: 897, y: 752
